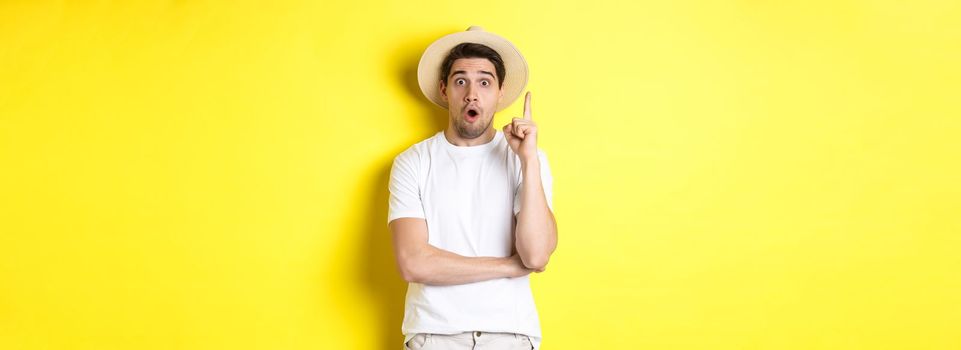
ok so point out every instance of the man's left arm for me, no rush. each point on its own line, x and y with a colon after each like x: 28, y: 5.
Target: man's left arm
x: 536, y: 230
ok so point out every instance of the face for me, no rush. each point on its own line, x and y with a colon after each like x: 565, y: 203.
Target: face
x: 472, y: 95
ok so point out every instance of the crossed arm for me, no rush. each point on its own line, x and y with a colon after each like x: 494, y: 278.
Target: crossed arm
x: 535, y: 240
x: 421, y: 262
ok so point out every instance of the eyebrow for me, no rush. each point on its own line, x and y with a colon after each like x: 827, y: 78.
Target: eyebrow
x: 465, y: 72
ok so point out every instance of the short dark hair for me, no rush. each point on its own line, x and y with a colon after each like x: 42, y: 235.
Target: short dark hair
x: 473, y: 50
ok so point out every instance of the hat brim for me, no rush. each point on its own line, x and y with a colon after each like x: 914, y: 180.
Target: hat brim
x: 429, y: 68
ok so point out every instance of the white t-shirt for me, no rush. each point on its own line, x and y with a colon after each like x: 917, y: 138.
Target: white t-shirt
x: 468, y: 195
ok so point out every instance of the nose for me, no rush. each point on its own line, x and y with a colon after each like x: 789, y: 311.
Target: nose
x: 471, y: 95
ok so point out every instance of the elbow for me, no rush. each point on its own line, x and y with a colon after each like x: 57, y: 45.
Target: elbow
x: 415, y: 267
x: 410, y: 271
x: 536, y: 262
x: 409, y: 274
x: 536, y: 259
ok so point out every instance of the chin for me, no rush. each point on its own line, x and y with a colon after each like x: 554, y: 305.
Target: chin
x: 468, y: 131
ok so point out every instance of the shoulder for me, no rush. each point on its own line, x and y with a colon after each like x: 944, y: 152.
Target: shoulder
x: 415, y: 153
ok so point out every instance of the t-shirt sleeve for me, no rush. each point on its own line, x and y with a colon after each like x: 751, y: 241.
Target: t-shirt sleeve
x: 547, y: 182
x: 405, y: 198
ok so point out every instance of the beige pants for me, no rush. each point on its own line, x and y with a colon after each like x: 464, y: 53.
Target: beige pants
x: 469, y: 341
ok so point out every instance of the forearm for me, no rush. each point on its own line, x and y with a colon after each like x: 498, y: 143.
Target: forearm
x: 441, y: 267
x: 536, y: 231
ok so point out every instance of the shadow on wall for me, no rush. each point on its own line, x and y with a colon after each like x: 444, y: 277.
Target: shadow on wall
x: 378, y: 268
x: 405, y: 62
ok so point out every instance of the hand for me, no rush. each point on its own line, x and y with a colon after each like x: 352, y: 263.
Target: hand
x: 521, y: 133
x: 516, y: 267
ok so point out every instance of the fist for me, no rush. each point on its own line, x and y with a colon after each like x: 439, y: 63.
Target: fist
x: 521, y: 133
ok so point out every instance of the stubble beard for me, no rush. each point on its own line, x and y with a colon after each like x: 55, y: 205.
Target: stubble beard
x: 468, y: 131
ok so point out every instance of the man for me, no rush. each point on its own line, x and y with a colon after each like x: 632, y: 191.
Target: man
x: 470, y: 207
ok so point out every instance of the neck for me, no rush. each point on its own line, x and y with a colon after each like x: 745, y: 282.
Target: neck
x: 454, y: 138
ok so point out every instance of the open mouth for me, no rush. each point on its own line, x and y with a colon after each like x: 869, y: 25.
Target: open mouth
x: 471, y: 114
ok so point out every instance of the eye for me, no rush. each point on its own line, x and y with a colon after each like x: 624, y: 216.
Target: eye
x: 459, y: 81
x: 485, y: 83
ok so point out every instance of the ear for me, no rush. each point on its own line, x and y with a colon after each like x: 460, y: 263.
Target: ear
x: 443, y: 90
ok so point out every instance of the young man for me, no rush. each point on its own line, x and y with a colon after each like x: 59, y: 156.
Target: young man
x: 470, y: 207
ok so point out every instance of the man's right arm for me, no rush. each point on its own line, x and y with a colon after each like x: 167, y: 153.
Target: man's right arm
x: 421, y: 262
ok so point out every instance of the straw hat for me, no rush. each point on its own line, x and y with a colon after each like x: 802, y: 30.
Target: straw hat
x: 429, y: 68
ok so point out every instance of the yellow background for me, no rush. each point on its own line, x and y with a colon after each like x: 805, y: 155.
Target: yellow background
x: 727, y: 174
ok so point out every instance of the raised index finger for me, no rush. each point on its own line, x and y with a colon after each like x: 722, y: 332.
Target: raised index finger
x: 527, y: 106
